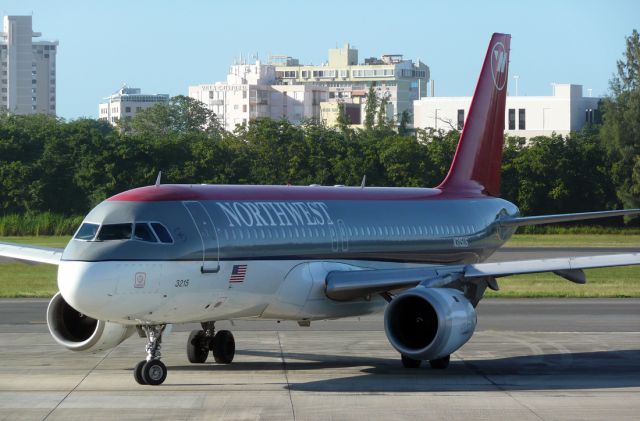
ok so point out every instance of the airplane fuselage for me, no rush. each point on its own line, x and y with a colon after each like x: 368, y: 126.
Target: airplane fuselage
x: 263, y: 252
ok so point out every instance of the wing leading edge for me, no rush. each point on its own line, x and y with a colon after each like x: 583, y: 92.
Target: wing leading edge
x: 344, y: 286
x: 32, y: 254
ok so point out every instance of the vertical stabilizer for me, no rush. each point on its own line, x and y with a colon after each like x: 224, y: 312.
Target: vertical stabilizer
x: 476, y: 164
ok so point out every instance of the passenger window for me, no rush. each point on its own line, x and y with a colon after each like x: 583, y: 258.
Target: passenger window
x: 142, y: 232
x: 115, y: 232
x: 87, y: 231
x: 162, y: 232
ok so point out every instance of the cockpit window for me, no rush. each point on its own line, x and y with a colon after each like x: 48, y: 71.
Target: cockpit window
x: 162, y: 232
x: 142, y: 232
x: 87, y: 231
x: 115, y: 232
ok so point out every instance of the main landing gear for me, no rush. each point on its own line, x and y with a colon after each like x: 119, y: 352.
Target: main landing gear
x: 438, y: 363
x: 221, y: 344
x: 151, y: 371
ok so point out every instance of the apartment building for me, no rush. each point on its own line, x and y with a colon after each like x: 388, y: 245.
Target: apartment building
x: 251, y: 91
x: 27, y: 69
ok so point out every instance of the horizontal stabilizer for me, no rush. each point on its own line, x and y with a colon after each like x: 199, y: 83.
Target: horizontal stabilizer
x: 33, y: 254
x: 564, y: 217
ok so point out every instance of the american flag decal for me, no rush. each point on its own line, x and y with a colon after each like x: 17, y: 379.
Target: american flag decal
x: 238, y: 273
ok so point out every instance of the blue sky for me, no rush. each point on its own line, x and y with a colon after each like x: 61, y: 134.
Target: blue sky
x: 163, y: 47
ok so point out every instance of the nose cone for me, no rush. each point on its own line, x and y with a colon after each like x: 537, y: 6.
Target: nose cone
x: 87, y: 287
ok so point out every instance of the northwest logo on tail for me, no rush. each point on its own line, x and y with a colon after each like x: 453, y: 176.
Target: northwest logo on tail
x: 499, y: 65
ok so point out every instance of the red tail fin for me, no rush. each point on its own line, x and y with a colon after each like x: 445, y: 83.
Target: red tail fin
x: 476, y: 165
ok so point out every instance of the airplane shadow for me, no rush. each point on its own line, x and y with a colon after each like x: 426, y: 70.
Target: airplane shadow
x: 563, y: 371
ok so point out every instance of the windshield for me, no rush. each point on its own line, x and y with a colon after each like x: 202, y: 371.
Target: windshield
x: 115, y: 232
x: 87, y: 231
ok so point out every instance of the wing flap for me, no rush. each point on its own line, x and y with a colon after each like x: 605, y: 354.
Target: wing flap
x: 33, y: 254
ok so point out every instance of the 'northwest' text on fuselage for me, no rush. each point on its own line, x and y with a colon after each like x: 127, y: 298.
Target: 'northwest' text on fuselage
x: 273, y: 214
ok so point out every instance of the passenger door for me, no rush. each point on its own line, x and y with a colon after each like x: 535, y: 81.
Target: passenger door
x: 208, y: 236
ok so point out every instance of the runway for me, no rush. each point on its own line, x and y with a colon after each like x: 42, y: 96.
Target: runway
x: 529, y: 359
x: 551, y: 359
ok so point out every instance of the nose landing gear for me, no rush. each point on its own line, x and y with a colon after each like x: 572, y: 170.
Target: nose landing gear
x: 221, y: 344
x: 151, y: 371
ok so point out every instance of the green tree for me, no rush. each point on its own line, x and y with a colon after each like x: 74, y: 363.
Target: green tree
x: 404, y: 123
x: 382, y: 112
x: 180, y: 115
x: 370, y: 108
x: 620, y: 131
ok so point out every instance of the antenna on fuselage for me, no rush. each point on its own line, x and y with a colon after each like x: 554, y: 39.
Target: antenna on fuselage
x: 364, y: 181
x: 158, y: 179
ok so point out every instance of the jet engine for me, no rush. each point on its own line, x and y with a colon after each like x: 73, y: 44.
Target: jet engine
x: 78, y: 332
x: 429, y: 323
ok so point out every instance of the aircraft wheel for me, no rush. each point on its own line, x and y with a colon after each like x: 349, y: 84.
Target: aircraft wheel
x: 154, y: 372
x: 440, y: 363
x: 408, y: 362
x: 197, y: 349
x: 137, y: 372
x: 224, y: 347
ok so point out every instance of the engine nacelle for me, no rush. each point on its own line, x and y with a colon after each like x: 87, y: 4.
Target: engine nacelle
x: 429, y: 323
x: 78, y: 332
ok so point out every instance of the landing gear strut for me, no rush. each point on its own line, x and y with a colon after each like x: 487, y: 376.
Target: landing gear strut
x: 221, y: 344
x: 151, y: 371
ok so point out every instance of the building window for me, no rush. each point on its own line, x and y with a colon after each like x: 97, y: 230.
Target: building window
x: 127, y: 109
x: 589, y: 116
x: 305, y: 73
x: 512, y: 119
x: 210, y: 94
x: 460, y: 119
x: 244, y: 94
x: 521, y: 119
x: 244, y: 108
x: 33, y: 81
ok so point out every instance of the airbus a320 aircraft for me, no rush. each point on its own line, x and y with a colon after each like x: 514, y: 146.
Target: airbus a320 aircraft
x: 165, y: 254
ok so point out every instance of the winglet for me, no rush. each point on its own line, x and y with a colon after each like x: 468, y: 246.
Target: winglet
x: 476, y: 165
x: 158, y: 179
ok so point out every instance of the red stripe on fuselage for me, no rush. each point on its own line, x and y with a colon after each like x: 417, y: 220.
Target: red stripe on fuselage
x: 178, y: 192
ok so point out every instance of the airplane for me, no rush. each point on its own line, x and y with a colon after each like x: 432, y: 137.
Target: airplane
x: 164, y: 254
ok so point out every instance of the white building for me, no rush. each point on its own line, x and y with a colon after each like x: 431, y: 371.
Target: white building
x: 27, y: 69
x: 567, y: 110
x: 126, y: 103
x: 401, y: 81
x: 251, y: 92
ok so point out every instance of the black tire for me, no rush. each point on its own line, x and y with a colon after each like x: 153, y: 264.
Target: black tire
x: 154, y: 372
x: 440, y: 363
x: 137, y: 372
x: 224, y: 347
x: 408, y: 362
x: 196, y: 352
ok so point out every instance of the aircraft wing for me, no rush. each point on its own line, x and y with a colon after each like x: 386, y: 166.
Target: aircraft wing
x: 34, y: 254
x: 348, y: 285
x: 564, y: 217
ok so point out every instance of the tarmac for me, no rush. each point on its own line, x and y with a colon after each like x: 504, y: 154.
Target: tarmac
x: 581, y: 361
x: 528, y: 360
